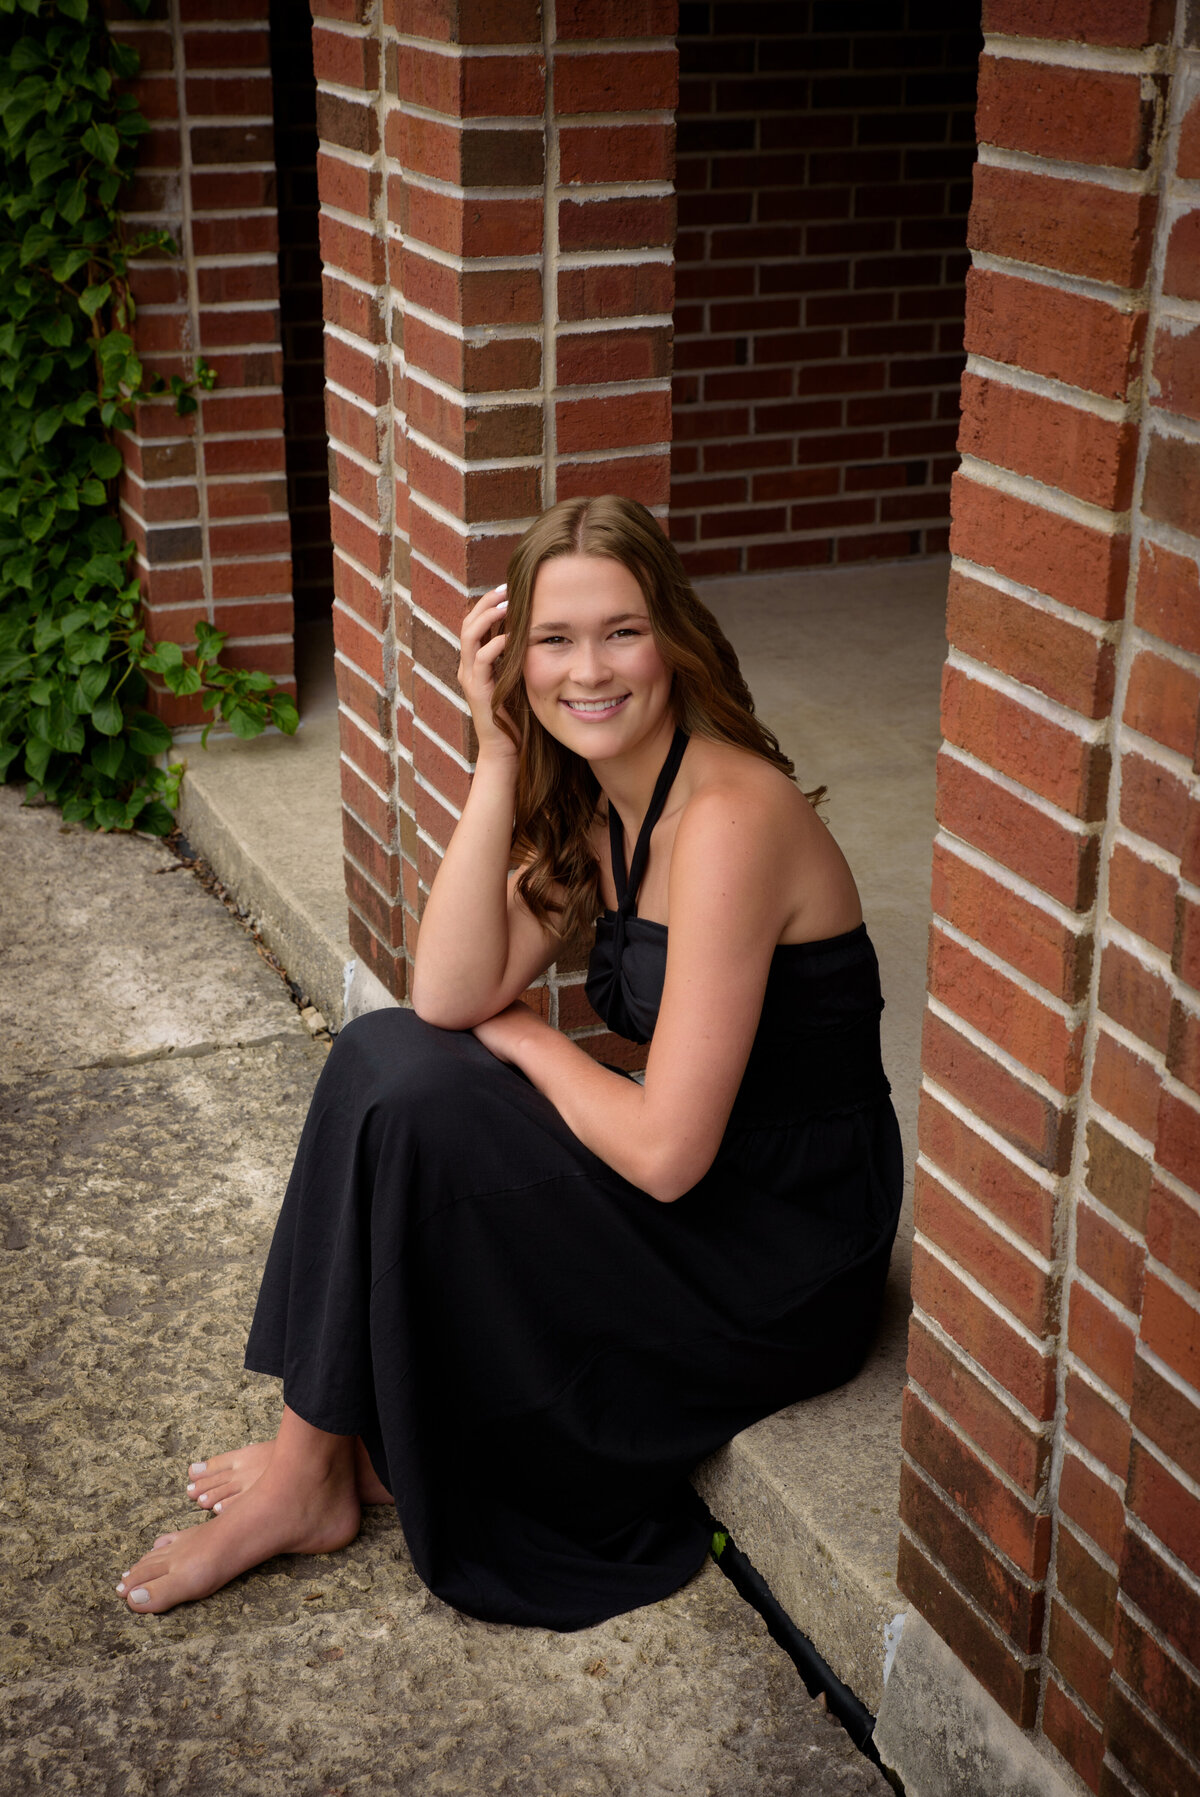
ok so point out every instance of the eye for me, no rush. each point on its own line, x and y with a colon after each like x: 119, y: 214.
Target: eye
x: 628, y: 630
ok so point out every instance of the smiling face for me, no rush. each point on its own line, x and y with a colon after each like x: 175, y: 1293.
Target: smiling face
x: 593, y: 673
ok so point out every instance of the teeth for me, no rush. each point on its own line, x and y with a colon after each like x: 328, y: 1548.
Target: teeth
x: 594, y: 704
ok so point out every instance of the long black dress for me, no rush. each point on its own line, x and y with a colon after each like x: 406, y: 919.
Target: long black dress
x: 537, y: 1353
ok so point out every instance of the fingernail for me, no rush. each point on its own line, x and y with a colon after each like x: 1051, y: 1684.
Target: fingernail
x: 121, y: 1589
x: 191, y: 1487
x: 503, y: 605
x: 198, y: 1466
x: 140, y: 1596
x: 503, y: 587
x: 216, y: 1509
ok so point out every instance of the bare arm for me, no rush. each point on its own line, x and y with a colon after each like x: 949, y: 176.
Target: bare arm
x: 664, y: 1136
x: 479, y: 947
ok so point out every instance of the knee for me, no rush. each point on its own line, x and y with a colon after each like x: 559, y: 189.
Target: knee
x: 394, y: 1055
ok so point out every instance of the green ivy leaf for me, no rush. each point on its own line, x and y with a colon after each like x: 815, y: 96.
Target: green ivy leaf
x: 46, y: 423
x: 107, y: 756
x: 183, y: 681
x: 155, y: 819
x: 92, y: 298
x: 91, y: 492
x: 64, y: 729
x: 91, y: 683
x: 106, y: 460
x: 284, y: 715
x: 149, y: 735
x: 108, y: 717
x: 78, y: 808
x: 101, y: 141
x: 109, y: 814
x: 37, y: 758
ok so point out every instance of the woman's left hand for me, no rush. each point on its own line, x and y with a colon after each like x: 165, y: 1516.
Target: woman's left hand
x: 503, y: 1034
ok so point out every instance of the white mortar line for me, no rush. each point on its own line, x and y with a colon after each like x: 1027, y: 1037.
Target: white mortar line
x: 983, y: 1211
x: 1007, y: 784
x: 1030, y: 1168
x: 1070, y: 1014
x: 1050, y: 499
x: 1027, y: 162
x: 1121, y: 299
x: 1007, y: 374
x: 1043, y: 1346
x: 1075, y: 55
x: 994, y: 1052
x: 1064, y: 717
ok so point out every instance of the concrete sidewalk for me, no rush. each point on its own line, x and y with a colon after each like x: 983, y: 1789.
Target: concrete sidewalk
x: 154, y: 1075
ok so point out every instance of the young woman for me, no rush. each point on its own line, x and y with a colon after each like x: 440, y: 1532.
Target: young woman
x: 511, y: 1289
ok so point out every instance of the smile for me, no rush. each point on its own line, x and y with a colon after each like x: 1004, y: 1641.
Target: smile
x: 595, y: 707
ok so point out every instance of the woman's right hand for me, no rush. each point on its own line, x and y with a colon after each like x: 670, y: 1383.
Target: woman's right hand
x: 478, y: 656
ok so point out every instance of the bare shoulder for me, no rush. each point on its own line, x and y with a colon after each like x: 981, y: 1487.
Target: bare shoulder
x: 741, y: 812
x: 731, y: 789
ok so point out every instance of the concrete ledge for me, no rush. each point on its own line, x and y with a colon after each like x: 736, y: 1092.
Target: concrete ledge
x: 810, y: 1497
x: 266, y: 815
x: 945, y: 1737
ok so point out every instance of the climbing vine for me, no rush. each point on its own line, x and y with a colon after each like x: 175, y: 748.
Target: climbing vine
x: 73, y: 649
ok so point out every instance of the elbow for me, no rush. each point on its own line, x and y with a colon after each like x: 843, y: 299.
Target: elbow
x: 670, y: 1174
x: 433, y: 1008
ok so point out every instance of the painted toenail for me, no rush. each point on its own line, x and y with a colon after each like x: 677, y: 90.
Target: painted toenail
x: 140, y: 1596
x: 216, y: 1508
x: 121, y: 1589
x: 198, y: 1466
x: 191, y: 1488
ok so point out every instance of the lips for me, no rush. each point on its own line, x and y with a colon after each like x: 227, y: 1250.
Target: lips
x: 595, y: 708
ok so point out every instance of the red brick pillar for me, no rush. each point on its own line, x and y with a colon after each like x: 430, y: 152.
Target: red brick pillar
x: 1050, y: 1518
x: 495, y: 185
x: 204, y: 497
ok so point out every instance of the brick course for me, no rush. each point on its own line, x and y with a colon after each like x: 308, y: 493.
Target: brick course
x: 219, y: 298
x: 822, y: 207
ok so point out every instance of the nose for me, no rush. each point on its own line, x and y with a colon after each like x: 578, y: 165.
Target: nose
x: 589, y: 665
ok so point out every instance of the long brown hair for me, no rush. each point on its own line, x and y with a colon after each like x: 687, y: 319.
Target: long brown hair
x: 557, y: 792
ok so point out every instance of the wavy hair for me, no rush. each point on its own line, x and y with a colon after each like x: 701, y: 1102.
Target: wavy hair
x: 557, y: 793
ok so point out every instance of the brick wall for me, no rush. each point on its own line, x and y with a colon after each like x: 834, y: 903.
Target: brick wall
x: 1051, y: 1497
x: 203, y: 498
x: 496, y: 222
x: 824, y: 175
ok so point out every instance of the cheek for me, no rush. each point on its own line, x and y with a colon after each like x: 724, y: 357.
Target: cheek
x: 650, y: 665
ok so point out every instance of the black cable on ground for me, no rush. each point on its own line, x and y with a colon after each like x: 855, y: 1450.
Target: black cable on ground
x: 818, y: 1675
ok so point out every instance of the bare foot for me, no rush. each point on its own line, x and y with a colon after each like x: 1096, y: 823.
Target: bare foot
x: 305, y: 1502
x: 213, y: 1483
x: 371, y: 1488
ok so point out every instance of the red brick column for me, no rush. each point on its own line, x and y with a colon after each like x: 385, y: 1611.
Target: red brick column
x: 497, y: 230
x: 203, y: 498
x: 1049, y: 1507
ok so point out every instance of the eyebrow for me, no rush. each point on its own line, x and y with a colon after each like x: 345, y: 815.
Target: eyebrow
x: 621, y: 617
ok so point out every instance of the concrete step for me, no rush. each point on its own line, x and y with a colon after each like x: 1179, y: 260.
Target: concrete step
x: 844, y: 664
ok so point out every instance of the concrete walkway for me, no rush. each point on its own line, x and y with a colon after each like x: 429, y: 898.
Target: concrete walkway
x: 844, y: 664
x: 154, y: 1074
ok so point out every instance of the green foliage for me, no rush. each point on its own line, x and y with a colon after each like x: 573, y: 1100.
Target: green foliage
x: 73, y: 653
x: 719, y: 1543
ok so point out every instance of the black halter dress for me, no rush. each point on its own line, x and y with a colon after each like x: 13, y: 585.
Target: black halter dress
x: 536, y: 1353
